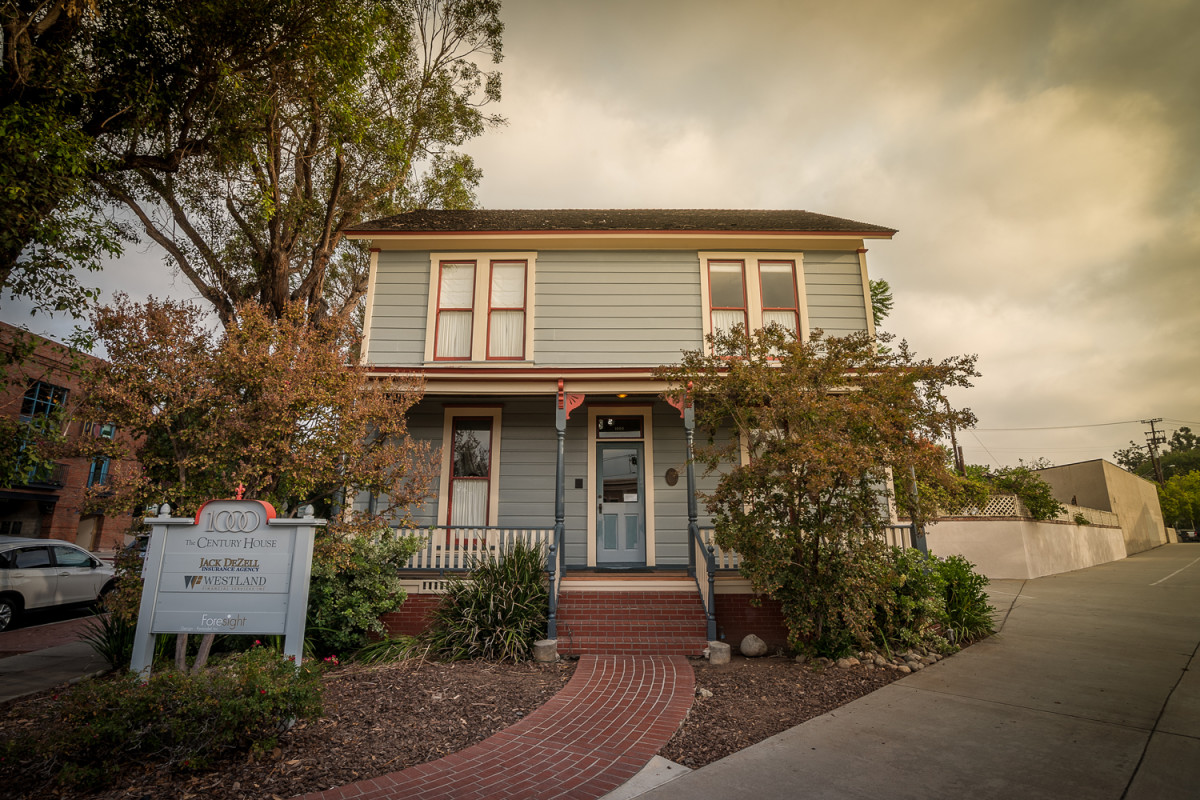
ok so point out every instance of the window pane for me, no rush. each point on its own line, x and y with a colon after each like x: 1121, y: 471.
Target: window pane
x: 778, y: 286
x: 458, y: 286
x: 619, y: 428
x: 70, y: 557
x: 726, y: 321
x: 725, y: 285
x: 472, y: 448
x: 507, y: 335
x: 453, y: 334
x: 468, y: 503
x: 508, y: 285
x: 784, y: 319
x: 41, y: 399
x: 32, y: 558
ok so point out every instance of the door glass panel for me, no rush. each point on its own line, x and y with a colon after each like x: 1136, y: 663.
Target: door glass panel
x: 620, y: 475
x: 70, y: 557
x: 32, y: 557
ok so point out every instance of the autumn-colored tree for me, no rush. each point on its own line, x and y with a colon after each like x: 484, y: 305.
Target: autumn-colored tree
x: 822, y: 422
x: 274, y: 406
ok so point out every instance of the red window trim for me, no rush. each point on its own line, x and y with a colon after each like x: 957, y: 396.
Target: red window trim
x: 795, y: 306
x: 745, y: 307
x: 523, y: 309
x: 470, y: 309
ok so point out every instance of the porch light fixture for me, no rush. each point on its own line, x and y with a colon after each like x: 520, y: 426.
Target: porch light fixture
x: 622, y: 396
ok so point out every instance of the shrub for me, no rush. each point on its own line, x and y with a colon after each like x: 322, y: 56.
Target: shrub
x: 1034, y: 492
x: 354, y: 582
x: 111, y: 636
x: 173, y: 719
x: 933, y: 602
x: 915, y: 609
x: 498, y: 612
x: 968, y: 614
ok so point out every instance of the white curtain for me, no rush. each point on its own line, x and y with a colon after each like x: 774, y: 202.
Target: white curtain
x: 725, y: 321
x: 454, y: 334
x: 784, y: 319
x: 469, y: 501
x: 458, y: 286
x: 508, y: 286
x: 508, y: 335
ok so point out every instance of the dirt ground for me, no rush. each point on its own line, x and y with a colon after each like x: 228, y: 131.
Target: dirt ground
x: 380, y: 719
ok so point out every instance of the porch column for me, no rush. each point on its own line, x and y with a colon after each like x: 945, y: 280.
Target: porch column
x: 689, y: 428
x: 560, y: 512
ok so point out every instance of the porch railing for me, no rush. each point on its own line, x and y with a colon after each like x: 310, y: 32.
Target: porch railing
x: 705, y: 569
x: 455, y: 547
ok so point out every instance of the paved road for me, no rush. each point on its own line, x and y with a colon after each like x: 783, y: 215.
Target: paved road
x: 1090, y: 690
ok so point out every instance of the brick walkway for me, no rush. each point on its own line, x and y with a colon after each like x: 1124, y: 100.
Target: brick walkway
x: 597, y: 733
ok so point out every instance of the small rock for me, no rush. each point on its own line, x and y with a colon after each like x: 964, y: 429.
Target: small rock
x: 702, y: 692
x: 753, y: 647
x: 903, y: 670
x: 917, y: 666
x: 718, y: 653
x: 880, y: 661
x: 928, y: 660
x: 854, y: 662
x: 801, y: 659
x: 844, y: 663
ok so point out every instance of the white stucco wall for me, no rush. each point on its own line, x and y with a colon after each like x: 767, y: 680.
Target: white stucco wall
x: 1019, y: 548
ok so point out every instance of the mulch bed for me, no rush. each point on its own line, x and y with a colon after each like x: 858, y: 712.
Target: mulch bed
x: 385, y: 718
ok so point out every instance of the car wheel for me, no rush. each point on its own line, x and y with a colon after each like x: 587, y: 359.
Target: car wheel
x: 8, y: 613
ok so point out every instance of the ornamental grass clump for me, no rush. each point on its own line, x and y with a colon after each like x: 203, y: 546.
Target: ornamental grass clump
x: 498, y: 612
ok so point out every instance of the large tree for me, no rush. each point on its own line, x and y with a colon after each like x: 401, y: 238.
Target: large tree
x: 363, y: 125
x: 268, y: 103
x: 820, y: 424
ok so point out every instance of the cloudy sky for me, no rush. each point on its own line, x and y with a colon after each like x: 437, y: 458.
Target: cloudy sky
x: 1041, y: 160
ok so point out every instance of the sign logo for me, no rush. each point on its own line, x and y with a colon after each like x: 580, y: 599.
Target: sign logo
x: 192, y: 581
x: 233, y: 522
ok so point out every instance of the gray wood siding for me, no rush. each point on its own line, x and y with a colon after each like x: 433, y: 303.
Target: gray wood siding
x: 399, y: 309
x: 624, y: 308
x: 833, y: 283
x: 670, y: 502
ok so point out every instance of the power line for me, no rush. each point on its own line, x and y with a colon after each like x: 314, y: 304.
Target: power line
x: 1066, y: 427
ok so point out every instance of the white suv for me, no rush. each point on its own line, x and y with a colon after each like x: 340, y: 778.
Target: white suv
x: 41, y: 573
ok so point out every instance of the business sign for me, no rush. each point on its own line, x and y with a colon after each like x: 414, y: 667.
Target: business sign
x: 235, y: 568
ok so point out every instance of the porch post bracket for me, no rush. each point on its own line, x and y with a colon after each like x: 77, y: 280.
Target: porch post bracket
x: 568, y: 402
x: 682, y: 403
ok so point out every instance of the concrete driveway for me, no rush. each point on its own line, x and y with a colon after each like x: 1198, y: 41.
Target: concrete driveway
x: 1089, y: 690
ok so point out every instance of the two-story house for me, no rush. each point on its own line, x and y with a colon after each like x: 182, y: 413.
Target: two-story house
x: 537, y: 333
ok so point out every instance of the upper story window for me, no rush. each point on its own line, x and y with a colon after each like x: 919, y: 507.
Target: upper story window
x: 480, y: 307
x: 42, y: 399
x: 752, y: 291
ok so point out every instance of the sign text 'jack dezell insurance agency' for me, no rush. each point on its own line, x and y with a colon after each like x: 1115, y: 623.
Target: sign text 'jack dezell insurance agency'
x: 228, y: 574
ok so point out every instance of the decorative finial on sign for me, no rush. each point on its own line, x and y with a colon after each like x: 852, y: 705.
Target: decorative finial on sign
x: 241, y: 491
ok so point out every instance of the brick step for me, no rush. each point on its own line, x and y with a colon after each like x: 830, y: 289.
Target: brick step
x: 631, y: 623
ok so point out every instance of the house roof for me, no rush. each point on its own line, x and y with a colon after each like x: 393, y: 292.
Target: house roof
x: 621, y: 219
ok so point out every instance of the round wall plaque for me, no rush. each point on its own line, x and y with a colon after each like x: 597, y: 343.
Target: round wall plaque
x: 672, y: 476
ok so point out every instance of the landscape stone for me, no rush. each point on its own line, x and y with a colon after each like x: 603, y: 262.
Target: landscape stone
x: 844, y: 663
x: 718, y: 653
x: 702, y: 692
x: 545, y: 651
x: 903, y: 670
x: 753, y: 647
x: 928, y: 660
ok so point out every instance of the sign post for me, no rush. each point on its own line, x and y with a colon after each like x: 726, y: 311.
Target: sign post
x: 235, y: 568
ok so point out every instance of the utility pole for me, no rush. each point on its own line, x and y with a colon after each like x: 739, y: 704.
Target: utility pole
x: 1153, y: 439
x: 955, y: 451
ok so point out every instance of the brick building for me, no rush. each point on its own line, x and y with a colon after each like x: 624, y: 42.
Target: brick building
x: 44, y: 501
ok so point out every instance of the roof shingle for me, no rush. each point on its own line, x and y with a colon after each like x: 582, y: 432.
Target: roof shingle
x: 619, y: 219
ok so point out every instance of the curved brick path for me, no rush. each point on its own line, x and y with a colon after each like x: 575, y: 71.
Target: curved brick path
x: 598, y: 732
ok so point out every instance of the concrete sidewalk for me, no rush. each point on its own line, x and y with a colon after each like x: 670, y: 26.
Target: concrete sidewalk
x: 1090, y: 690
